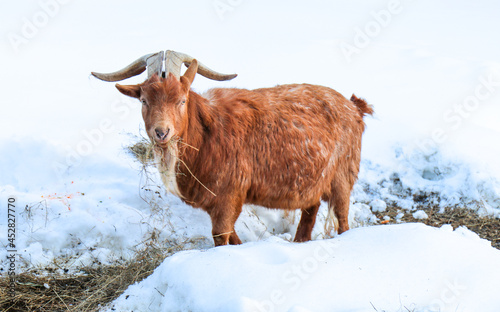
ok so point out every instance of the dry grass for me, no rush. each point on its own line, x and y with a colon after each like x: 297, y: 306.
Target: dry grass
x: 90, y: 290
x: 142, y: 150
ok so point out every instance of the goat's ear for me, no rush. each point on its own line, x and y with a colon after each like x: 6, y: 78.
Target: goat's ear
x: 131, y: 90
x: 188, y: 77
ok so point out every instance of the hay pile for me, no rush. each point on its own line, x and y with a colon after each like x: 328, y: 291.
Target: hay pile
x: 89, y: 290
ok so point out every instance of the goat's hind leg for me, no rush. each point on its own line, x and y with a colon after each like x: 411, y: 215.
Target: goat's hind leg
x: 339, y: 203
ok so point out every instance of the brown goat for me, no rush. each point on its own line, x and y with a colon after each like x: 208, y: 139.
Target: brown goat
x: 286, y: 147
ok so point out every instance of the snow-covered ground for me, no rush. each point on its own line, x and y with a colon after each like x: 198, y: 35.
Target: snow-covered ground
x: 430, y: 69
x: 406, y: 267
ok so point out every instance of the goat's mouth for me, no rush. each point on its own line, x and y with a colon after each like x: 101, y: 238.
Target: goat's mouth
x: 162, y: 138
x: 167, y: 143
x: 163, y: 143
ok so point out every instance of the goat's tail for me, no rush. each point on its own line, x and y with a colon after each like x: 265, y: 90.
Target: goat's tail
x: 363, y: 107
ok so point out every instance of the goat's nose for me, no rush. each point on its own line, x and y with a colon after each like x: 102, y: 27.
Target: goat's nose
x: 161, y: 133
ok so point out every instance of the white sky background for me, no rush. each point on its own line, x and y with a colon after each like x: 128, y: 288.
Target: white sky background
x: 428, y: 58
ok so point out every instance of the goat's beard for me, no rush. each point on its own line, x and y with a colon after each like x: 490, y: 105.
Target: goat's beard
x: 166, y: 162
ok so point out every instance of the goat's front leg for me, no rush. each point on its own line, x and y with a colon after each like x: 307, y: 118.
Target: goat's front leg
x: 223, y: 218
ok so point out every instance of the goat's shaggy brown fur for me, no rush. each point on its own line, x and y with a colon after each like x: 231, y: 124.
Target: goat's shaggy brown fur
x: 286, y: 147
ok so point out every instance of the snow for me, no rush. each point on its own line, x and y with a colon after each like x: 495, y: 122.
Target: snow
x: 433, y: 142
x: 412, y: 179
x: 420, y: 214
x: 378, y: 205
x: 379, y: 268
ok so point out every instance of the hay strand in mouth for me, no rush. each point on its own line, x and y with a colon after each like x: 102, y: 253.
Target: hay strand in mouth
x: 184, y: 143
x: 196, y: 178
x: 146, y: 152
x: 179, y: 140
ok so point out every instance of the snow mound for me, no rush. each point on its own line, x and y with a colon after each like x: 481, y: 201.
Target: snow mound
x: 387, y: 268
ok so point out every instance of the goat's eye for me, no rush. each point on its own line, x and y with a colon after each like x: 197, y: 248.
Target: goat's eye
x: 144, y: 102
x: 182, y: 102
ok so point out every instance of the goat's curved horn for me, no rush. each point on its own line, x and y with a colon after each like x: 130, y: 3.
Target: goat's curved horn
x: 153, y: 62
x: 174, y: 60
x: 134, y: 69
